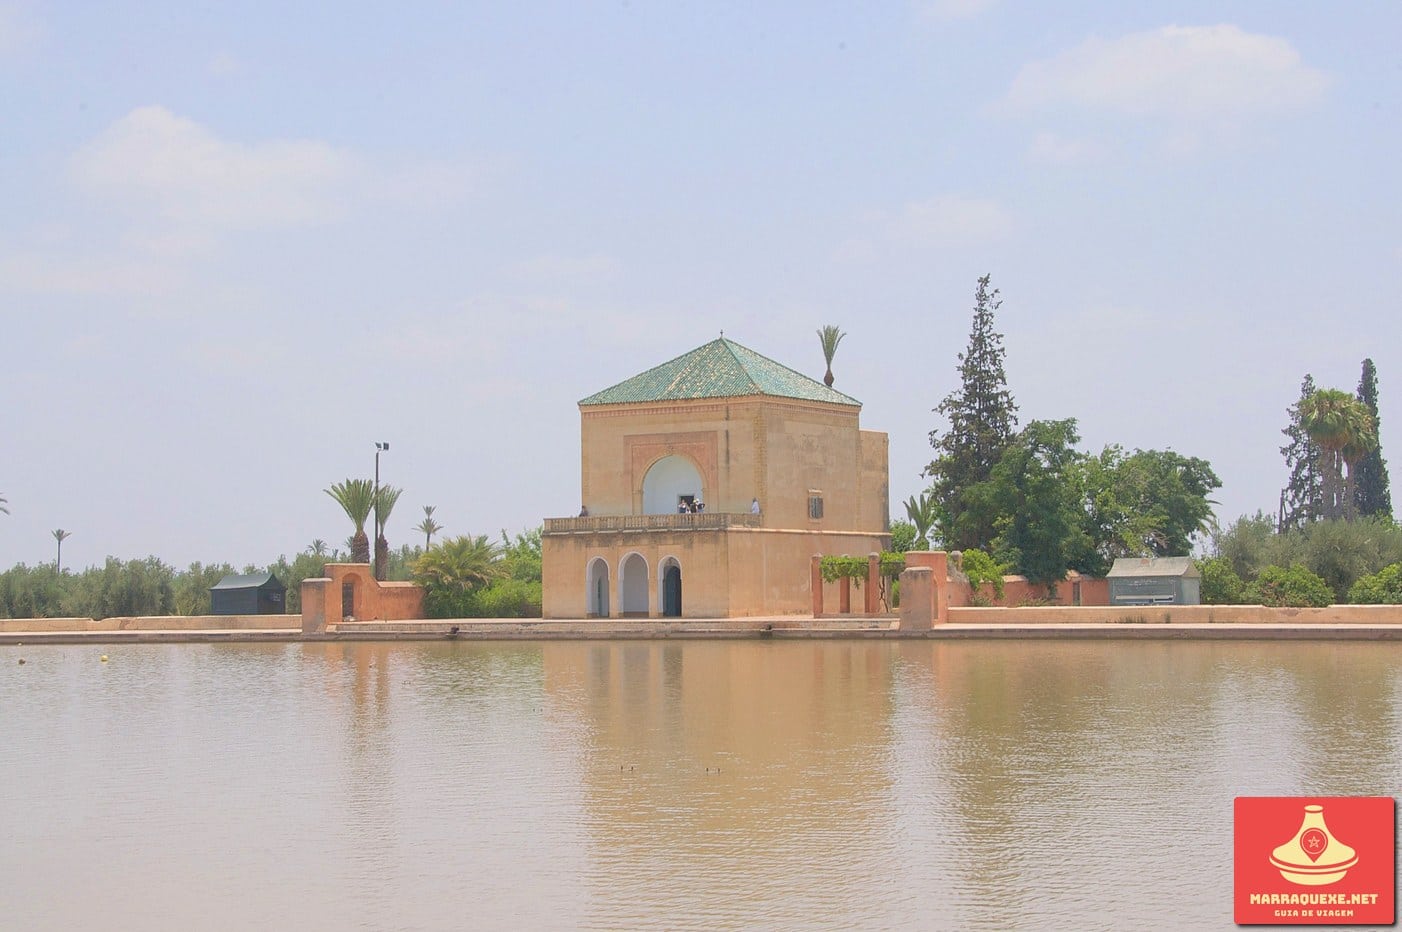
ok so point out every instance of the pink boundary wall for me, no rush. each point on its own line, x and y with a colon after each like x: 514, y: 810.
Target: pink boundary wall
x: 371, y: 600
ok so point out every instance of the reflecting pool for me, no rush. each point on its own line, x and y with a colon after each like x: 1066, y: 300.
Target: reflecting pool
x: 665, y: 784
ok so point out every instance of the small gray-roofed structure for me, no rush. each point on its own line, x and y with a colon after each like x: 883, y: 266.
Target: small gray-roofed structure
x: 253, y: 594
x: 1155, y: 581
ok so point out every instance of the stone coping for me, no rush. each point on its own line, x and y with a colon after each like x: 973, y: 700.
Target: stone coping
x: 778, y: 628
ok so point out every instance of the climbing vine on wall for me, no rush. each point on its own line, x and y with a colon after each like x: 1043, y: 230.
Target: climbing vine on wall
x: 853, y: 568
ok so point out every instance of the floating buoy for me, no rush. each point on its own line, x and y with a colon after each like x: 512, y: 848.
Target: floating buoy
x: 104, y: 658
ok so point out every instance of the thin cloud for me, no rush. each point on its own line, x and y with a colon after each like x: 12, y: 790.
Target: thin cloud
x: 953, y: 9
x: 1175, y: 72
x: 223, y: 65
x: 942, y: 222
x: 178, y: 170
x: 87, y: 276
x: 1054, y: 149
x: 18, y: 31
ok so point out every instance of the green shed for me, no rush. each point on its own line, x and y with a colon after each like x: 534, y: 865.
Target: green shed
x: 1155, y: 581
x: 253, y: 594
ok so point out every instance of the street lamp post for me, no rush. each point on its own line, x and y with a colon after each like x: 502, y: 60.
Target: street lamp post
x: 379, y: 531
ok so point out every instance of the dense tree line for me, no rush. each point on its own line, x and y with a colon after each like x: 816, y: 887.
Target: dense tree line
x: 1335, y: 561
x: 1030, y: 498
x: 121, y: 588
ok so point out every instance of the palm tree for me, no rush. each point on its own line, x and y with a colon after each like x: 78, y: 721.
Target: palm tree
x: 2, y: 505
x: 1343, y: 429
x: 60, y: 535
x: 829, y: 336
x: 429, y: 526
x: 1363, y: 443
x: 460, y: 563
x: 922, y: 513
x: 356, y: 497
x: 318, y: 548
x: 388, y: 495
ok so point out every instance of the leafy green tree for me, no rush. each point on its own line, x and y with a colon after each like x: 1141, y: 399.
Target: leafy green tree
x: 922, y: 512
x: 1039, y: 523
x: 121, y: 589
x: 1220, y: 583
x: 1381, y: 588
x: 1147, y: 503
x: 452, y: 571
x: 1295, y: 587
x: 190, y: 589
x: 1371, y: 493
x: 982, y: 422
x: 428, y: 527
x: 1342, y: 428
x: 1340, y: 552
x: 60, y: 535
x: 521, y: 557
x: 36, y: 592
x: 386, y: 498
x: 902, y: 536
x: 1250, y: 544
x: 829, y: 336
x: 1302, y: 499
x: 356, y: 497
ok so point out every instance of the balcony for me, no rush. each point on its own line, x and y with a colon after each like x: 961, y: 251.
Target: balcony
x: 706, y: 521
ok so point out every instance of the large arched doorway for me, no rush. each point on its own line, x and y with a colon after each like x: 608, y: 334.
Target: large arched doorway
x: 670, y: 586
x: 596, y: 586
x: 632, y: 586
x: 670, y: 478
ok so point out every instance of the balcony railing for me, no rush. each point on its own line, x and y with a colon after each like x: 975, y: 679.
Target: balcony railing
x: 706, y: 521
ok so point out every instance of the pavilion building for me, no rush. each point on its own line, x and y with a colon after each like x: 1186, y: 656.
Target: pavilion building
x: 779, y: 460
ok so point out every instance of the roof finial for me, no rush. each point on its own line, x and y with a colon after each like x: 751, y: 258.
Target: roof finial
x: 722, y: 334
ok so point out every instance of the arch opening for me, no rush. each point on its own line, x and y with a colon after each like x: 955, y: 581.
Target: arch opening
x: 670, y: 588
x: 668, y: 481
x: 632, y: 586
x: 596, y: 587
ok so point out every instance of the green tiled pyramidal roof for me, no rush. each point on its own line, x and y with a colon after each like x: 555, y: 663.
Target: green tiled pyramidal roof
x: 719, y: 369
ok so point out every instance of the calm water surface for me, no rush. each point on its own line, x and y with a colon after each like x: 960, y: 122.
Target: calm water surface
x: 665, y: 785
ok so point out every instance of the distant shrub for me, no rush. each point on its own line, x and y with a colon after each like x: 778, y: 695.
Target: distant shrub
x: 981, y: 568
x: 903, y: 536
x: 1295, y: 587
x: 509, y: 598
x: 1381, y: 588
x: 1220, y: 583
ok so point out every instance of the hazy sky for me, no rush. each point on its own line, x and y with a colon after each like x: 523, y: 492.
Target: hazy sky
x: 239, y: 243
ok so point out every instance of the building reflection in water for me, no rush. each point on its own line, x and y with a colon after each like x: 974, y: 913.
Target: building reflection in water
x: 713, y: 768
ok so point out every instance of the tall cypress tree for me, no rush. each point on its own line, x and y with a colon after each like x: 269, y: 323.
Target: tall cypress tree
x: 1371, y: 491
x: 982, y: 423
x: 1302, y: 499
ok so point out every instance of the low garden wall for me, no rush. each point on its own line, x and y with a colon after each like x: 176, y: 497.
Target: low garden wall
x: 151, y: 623
x: 1178, y: 614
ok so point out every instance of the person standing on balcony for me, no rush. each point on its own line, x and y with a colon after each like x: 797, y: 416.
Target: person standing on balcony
x: 754, y: 506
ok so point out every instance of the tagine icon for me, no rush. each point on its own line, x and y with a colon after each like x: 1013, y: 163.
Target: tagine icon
x: 1313, y: 857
